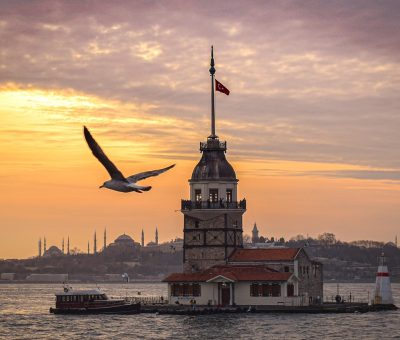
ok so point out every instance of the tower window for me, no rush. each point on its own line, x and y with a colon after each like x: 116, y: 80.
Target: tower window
x: 197, y: 195
x: 213, y: 195
x: 229, y: 195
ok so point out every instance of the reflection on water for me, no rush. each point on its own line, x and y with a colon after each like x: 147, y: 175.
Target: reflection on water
x: 24, y: 314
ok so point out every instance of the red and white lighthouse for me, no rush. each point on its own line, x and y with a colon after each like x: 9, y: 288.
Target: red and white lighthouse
x: 383, y: 291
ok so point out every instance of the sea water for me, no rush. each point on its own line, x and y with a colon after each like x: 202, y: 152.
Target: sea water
x: 24, y: 314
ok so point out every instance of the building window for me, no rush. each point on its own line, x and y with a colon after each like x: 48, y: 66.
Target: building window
x: 196, y: 289
x: 175, y: 289
x: 185, y: 289
x: 275, y: 289
x: 286, y: 269
x: 229, y: 195
x: 265, y: 289
x: 197, y: 195
x: 254, y: 289
x: 196, y: 224
x: 213, y: 195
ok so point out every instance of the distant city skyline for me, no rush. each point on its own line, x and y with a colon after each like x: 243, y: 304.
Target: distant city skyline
x: 43, y: 242
x: 94, y: 241
x: 311, y: 122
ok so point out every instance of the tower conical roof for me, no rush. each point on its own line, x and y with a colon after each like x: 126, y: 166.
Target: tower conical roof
x: 213, y: 164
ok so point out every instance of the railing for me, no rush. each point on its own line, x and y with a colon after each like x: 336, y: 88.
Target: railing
x: 213, y: 145
x: 148, y: 300
x: 346, y: 298
x: 191, y: 205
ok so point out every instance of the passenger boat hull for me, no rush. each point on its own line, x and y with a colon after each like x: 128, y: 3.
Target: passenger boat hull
x: 115, y: 309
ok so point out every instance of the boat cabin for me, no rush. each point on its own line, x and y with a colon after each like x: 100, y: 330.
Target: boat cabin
x: 82, y: 298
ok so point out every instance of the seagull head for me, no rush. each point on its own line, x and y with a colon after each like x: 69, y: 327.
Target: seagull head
x: 107, y: 184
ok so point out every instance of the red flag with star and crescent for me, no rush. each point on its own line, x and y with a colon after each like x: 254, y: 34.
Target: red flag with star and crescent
x: 221, y: 88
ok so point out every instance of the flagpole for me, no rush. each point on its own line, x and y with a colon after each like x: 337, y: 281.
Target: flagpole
x: 212, y: 72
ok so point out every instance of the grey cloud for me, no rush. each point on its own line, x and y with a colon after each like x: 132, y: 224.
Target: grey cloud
x: 389, y: 175
x: 298, y: 70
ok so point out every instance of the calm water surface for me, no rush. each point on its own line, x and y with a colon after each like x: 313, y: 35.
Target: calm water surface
x: 24, y: 314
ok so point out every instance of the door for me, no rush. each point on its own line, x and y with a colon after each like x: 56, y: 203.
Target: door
x: 225, y: 294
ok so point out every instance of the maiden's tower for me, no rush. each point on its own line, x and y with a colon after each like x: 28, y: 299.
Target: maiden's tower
x: 213, y: 214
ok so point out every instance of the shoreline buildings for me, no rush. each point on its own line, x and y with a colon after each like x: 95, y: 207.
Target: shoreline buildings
x: 217, y: 269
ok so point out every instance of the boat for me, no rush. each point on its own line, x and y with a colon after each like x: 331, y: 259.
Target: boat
x: 92, y: 301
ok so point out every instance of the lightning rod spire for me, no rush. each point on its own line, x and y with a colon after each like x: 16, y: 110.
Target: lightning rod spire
x: 212, y: 72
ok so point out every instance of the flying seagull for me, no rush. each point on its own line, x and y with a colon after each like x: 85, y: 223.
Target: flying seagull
x: 118, y: 182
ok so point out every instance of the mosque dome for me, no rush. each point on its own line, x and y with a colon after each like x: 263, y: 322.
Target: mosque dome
x: 124, y: 239
x: 213, y: 165
x: 52, y: 251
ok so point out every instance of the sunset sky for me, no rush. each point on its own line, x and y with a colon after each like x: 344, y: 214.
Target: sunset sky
x: 312, y: 122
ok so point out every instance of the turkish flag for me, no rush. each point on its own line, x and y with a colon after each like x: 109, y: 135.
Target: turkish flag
x: 221, y: 88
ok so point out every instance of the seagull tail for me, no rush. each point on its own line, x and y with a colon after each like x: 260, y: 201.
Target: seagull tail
x: 146, y: 188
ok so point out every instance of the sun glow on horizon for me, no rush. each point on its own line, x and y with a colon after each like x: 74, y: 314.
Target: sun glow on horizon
x: 49, y: 173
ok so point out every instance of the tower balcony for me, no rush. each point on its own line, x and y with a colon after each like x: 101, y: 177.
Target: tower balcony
x: 213, y: 145
x: 195, y: 205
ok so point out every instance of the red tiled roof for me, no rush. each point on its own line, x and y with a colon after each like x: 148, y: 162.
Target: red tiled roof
x: 262, y: 254
x: 231, y: 272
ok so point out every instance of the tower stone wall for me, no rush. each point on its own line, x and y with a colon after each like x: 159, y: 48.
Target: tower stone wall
x: 210, y: 237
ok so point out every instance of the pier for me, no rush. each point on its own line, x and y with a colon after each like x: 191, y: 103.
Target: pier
x: 322, y: 309
x: 160, y: 305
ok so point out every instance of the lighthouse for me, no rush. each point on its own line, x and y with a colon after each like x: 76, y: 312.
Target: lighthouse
x: 382, y: 292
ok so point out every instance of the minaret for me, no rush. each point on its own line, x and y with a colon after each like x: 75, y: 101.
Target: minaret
x: 383, y: 291
x: 44, y: 245
x: 156, y: 238
x: 142, y: 238
x: 40, y: 247
x: 254, y: 232
x: 395, y: 241
x: 88, y: 248
x: 68, y: 246
x: 95, y: 244
x: 105, y: 239
x: 212, y: 215
x: 62, y: 245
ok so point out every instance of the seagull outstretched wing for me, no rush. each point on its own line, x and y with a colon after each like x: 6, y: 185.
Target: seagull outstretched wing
x: 101, y: 156
x: 143, y: 175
